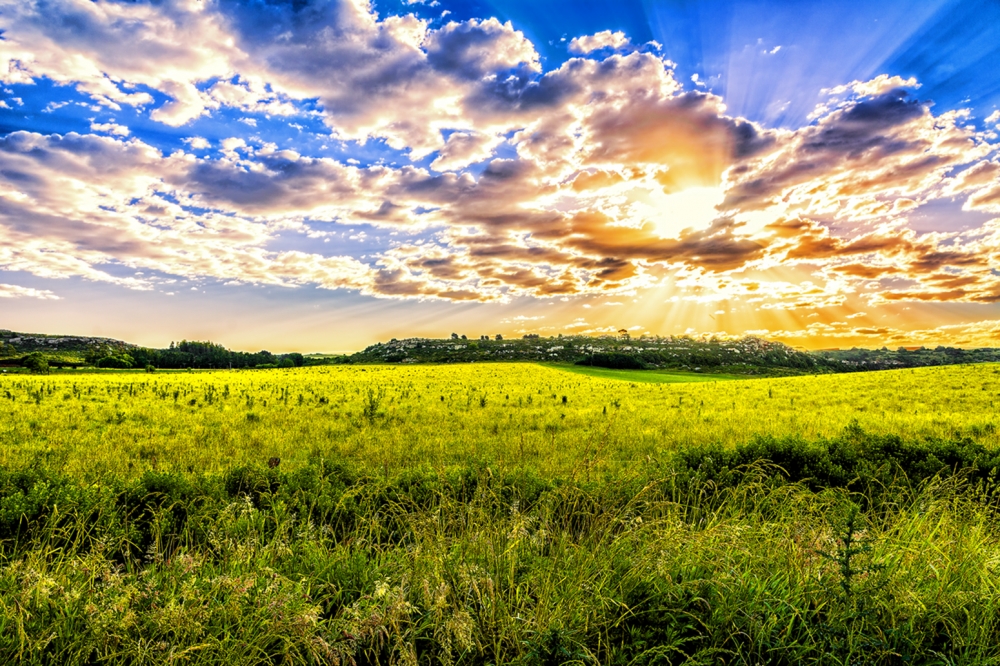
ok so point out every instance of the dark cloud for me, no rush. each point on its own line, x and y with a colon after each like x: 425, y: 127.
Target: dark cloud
x: 889, y: 144
x: 865, y: 128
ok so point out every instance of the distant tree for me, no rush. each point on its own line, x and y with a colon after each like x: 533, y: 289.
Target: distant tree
x: 464, y: 338
x: 142, y: 356
x: 36, y: 363
x: 454, y: 336
x: 298, y: 360
x: 119, y: 362
x: 286, y: 363
x: 623, y: 334
x: 499, y: 337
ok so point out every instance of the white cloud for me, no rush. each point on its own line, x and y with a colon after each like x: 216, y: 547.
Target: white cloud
x: 601, y: 40
x: 110, y: 128
x: 197, y: 142
x: 15, y: 291
x: 879, y: 85
x: 465, y: 148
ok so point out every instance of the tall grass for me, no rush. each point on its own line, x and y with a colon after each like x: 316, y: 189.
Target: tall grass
x: 96, y: 426
x: 370, y: 521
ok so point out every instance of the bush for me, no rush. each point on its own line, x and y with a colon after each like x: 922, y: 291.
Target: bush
x: 123, y: 362
x: 36, y: 363
x: 856, y: 461
x: 615, y: 361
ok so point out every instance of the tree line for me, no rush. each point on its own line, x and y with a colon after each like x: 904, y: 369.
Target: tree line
x: 189, y: 354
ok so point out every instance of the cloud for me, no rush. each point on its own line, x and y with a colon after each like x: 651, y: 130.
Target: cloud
x: 579, y: 169
x: 854, y: 162
x: 465, y: 148
x: 197, y: 142
x: 14, y: 291
x: 982, y: 333
x: 880, y: 85
x: 105, y: 49
x: 394, y: 78
x: 89, y: 203
x: 110, y: 128
x: 601, y: 40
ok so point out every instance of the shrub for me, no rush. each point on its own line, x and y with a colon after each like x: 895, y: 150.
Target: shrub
x: 615, y: 361
x: 36, y: 363
x: 122, y: 362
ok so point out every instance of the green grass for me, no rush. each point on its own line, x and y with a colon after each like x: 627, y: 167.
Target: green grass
x: 471, y: 515
x: 652, y: 376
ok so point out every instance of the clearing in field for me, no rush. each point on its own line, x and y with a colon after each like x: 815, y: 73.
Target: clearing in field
x: 651, y: 376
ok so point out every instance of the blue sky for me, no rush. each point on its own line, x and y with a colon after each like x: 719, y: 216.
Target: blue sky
x: 315, y: 175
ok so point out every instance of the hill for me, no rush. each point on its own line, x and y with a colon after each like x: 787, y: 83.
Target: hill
x: 83, y: 351
x: 748, y: 355
x: 60, y: 350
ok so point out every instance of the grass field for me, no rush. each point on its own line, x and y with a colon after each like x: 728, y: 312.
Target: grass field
x: 651, y: 376
x: 491, y: 513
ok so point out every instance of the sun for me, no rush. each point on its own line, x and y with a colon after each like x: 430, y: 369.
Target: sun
x: 691, y: 208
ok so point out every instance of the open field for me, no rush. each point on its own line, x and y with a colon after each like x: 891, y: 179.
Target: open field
x: 499, y: 513
x: 506, y: 414
x: 652, y: 376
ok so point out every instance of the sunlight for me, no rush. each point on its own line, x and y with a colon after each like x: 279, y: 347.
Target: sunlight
x: 693, y: 208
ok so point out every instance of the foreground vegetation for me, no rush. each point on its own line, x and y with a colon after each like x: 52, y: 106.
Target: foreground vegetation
x: 499, y: 514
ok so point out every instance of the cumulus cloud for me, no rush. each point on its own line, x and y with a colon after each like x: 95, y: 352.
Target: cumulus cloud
x: 880, y: 85
x: 982, y: 333
x: 197, y: 142
x: 601, y: 40
x: 604, y: 175
x: 110, y: 128
x: 105, y: 49
x: 465, y: 148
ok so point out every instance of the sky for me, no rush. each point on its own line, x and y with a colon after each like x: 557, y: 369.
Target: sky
x: 319, y: 175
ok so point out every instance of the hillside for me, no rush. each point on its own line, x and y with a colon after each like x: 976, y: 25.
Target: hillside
x: 31, y: 342
x: 749, y: 355
x: 745, y: 356
x: 80, y: 351
x: 856, y: 359
x: 60, y: 350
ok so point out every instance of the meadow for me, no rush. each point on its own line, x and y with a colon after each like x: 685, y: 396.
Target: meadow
x: 499, y: 513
